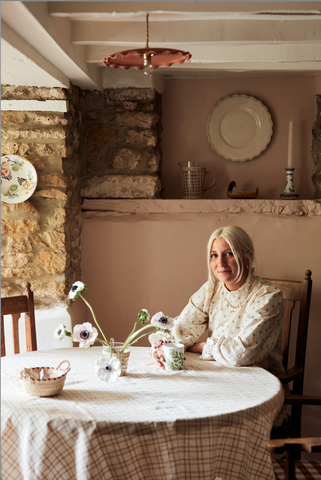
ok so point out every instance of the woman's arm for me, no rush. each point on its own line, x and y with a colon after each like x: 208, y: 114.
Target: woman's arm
x: 197, y: 347
x: 259, y: 331
x: 194, y: 317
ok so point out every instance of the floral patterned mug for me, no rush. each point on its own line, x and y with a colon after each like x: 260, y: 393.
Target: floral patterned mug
x: 173, y: 354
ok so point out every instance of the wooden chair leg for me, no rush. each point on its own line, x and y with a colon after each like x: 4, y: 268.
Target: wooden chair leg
x: 31, y: 341
x: 3, y: 345
x: 15, y: 332
x: 292, y: 452
x: 30, y: 322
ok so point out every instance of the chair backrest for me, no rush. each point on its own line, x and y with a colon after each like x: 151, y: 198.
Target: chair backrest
x: 295, y: 291
x: 15, y: 306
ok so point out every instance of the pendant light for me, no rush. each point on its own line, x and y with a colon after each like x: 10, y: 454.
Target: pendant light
x: 146, y: 58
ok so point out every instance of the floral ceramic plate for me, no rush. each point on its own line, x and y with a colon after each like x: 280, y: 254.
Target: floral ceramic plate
x: 18, y: 179
x: 239, y: 128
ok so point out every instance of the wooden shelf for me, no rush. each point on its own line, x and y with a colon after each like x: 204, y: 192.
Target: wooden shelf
x: 150, y: 206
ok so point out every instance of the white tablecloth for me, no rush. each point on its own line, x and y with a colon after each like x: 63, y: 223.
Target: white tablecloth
x: 204, y: 422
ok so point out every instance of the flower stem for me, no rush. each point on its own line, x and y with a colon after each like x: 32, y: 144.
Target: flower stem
x: 148, y: 333
x: 131, y: 337
x: 94, y: 317
x: 101, y: 341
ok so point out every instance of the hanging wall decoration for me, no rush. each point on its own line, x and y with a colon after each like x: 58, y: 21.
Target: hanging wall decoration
x: 239, y: 128
x: 18, y: 179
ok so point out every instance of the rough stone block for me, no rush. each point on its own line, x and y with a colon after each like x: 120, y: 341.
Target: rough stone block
x: 47, y: 118
x: 152, y: 163
x: 145, y: 138
x: 9, y: 92
x: 17, y: 260
x: 102, y: 135
x: 53, y: 180
x: 53, y: 261
x: 43, y: 149
x: 12, y: 117
x: 58, y: 218
x: 132, y: 94
x: 51, y: 193
x: 137, y: 119
x: 4, y: 227
x: 33, y: 133
x: 19, y: 245
x: 51, y: 239
x: 23, y: 225
x: 122, y: 186
x: 127, y: 158
x: 26, y: 273
x: 97, y: 158
x: 130, y: 106
x: 9, y: 289
x: 17, y: 207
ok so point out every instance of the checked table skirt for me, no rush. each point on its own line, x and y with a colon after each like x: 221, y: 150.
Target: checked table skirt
x: 206, y: 421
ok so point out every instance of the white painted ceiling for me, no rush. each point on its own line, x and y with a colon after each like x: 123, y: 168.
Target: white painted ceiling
x: 50, y: 43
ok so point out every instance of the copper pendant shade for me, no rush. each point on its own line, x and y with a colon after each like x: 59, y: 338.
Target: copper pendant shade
x: 147, y: 58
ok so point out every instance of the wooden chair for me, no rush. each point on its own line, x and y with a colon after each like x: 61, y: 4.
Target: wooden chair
x: 15, y: 306
x: 295, y: 291
x: 290, y: 468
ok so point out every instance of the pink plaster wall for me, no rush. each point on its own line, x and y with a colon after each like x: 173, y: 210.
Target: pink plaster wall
x: 187, y: 105
x: 158, y: 261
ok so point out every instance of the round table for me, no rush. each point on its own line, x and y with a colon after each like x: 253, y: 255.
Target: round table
x: 207, y: 421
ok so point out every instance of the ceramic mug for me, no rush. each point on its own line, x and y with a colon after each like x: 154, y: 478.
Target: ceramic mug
x: 173, y: 354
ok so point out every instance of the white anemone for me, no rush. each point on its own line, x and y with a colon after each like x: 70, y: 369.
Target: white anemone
x: 77, y: 287
x: 107, y: 368
x: 85, y: 334
x: 163, y: 321
x: 179, y: 332
x: 60, y: 331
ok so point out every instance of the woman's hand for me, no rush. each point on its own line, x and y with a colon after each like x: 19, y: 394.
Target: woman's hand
x: 159, y: 356
x: 197, y: 347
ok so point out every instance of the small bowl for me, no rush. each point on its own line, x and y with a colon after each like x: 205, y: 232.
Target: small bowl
x: 44, y: 381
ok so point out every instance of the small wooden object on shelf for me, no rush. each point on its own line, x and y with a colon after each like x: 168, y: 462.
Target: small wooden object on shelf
x: 240, y: 194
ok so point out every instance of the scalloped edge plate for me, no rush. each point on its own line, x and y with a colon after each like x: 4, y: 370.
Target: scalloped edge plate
x: 18, y: 179
x: 239, y: 128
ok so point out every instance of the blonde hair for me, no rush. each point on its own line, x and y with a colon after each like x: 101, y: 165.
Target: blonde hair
x: 241, y: 246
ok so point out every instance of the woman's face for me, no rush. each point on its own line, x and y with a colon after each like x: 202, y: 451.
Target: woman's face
x: 223, y: 264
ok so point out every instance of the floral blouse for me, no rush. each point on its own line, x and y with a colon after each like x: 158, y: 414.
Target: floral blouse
x: 244, y: 326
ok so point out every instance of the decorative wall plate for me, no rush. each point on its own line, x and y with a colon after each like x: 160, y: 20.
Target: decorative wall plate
x: 239, y: 128
x: 18, y: 179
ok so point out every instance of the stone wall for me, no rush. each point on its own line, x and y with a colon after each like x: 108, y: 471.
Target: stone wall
x: 40, y: 240
x: 316, y: 150
x: 107, y: 145
x: 120, y: 143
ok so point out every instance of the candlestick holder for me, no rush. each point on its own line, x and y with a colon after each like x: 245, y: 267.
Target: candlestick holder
x: 289, y: 192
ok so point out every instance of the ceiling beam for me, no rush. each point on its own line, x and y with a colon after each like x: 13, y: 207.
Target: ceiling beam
x: 120, y: 7
x: 299, y: 52
x: 32, y: 22
x: 206, y: 31
x: 21, y: 64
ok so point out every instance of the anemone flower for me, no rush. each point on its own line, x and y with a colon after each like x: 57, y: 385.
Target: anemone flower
x: 85, y: 334
x: 155, y: 339
x: 162, y: 321
x: 60, y: 331
x: 107, y: 368
x: 76, y: 289
x: 179, y: 332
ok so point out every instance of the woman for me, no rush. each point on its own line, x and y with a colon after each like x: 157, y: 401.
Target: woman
x: 242, y: 313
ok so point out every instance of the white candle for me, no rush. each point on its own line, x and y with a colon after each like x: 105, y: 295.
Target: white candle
x: 290, y: 145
